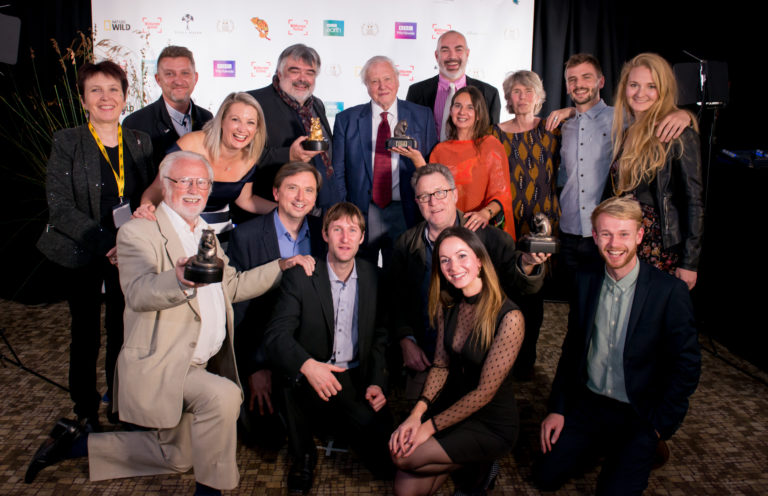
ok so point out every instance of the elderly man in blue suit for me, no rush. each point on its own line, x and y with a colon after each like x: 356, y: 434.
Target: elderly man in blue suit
x: 377, y: 179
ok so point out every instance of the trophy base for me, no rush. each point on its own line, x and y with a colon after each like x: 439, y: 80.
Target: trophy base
x: 204, y: 274
x: 314, y: 145
x: 533, y: 244
x: 397, y: 142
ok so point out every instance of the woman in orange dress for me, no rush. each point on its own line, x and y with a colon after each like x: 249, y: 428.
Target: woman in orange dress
x: 478, y: 163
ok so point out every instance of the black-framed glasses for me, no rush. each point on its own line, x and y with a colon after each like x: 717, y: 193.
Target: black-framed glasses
x: 186, y: 182
x: 440, y: 194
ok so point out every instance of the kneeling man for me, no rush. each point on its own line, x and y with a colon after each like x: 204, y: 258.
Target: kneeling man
x: 630, y: 361
x: 324, y: 339
x: 176, y: 371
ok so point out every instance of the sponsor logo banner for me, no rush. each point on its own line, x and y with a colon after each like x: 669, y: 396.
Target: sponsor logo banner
x: 333, y: 28
x: 116, y: 25
x: 153, y: 24
x: 405, y: 30
x: 298, y: 27
x: 223, y: 68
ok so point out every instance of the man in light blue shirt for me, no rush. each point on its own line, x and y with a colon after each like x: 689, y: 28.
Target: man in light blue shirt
x: 586, y: 155
x: 629, y: 363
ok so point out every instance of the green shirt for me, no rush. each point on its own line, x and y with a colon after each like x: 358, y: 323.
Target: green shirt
x: 605, y: 360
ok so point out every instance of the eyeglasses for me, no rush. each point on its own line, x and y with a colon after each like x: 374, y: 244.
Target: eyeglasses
x: 439, y: 195
x: 186, y: 182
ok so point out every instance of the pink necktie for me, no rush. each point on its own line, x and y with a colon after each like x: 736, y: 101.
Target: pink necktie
x: 382, y: 166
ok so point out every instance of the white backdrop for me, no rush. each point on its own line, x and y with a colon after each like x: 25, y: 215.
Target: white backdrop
x: 236, y: 42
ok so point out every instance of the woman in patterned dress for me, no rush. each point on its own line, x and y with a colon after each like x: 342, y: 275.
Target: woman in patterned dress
x: 533, y: 155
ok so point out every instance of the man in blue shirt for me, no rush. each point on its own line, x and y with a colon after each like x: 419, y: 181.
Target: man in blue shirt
x: 289, y: 234
x: 586, y: 155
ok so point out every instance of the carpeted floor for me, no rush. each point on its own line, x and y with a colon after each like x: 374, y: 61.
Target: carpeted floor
x: 722, y: 447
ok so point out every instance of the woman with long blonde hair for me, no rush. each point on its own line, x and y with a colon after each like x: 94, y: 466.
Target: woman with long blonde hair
x: 664, y: 177
x: 466, y: 416
x: 232, y: 142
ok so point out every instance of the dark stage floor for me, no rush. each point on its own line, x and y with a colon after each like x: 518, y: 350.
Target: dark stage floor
x: 722, y: 447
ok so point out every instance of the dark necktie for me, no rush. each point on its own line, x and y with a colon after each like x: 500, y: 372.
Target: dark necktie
x: 382, y: 166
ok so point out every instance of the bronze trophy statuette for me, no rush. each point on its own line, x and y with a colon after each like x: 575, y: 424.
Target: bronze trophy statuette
x: 316, y: 141
x: 540, y: 241
x: 401, y: 140
x: 205, y: 267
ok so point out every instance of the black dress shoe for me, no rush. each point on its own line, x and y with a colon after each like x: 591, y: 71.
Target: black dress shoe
x: 89, y: 423
x: 55, y: 448
x: 302, y: 474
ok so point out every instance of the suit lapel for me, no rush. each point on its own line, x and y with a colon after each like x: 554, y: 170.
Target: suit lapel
x: 269, y: 237
x: 164, y: 123
x: 322, y: 285
x: 173, y: 247
x: 92, y: 166
x: 365, y: 302
x: 132, y: 144
x: 642, y: 287
x: 592, y: 296
x: 365, y: 130
x: 432, y: 92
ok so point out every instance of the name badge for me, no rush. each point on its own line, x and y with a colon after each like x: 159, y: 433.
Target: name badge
x: 121, y: 213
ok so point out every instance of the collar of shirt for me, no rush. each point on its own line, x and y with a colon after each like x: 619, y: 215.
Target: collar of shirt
x: 377, y: 110
x: 284, y: 236
x: 334, y: 278
x: 180, y: 120
x: 625, y: 282
x: 443, y: 83
x: 595, y: 111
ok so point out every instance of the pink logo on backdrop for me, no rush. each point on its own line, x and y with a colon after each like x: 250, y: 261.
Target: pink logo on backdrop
x: 298, y: 27
x: 438, y: 30
x: 223, y: 68
x: 260, y: 68
x: 406, y: 72
x: 153, y: 24
x: 405, y: 30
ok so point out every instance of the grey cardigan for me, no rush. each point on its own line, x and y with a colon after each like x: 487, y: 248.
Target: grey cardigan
x: 73, y: 236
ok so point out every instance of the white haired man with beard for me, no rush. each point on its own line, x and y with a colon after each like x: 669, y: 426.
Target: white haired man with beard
x: 176, y: 372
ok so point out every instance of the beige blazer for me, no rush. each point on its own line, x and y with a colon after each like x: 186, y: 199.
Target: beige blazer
x: 162, y: 325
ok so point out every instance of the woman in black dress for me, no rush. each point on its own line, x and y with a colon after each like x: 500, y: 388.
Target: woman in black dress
x: 467, y: 415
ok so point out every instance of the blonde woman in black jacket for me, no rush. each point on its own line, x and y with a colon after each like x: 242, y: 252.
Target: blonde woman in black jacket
x: 664, y: 177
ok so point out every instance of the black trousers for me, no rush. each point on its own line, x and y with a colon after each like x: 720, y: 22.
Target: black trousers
x: 346, y: 415
x: 577, y: 253
x: 532, y: 307
x: 85, y: 307
x: 600, y: 426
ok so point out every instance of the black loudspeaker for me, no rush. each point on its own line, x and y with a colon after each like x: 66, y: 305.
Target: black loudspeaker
x: 705, y: 81
x: 10, y: 29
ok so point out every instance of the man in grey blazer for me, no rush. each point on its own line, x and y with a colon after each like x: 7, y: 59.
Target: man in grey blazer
x: 176, y: 373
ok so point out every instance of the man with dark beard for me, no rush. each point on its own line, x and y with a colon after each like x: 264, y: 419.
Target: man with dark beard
x: 289, y: 106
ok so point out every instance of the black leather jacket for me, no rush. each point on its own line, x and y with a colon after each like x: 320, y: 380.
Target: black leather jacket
x: 678, y: 196
x: 679, y: 199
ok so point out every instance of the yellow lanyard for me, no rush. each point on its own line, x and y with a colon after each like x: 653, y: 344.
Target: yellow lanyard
x: 119, y: 177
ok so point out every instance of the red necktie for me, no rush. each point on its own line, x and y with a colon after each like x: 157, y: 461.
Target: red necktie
x: 382, y: 166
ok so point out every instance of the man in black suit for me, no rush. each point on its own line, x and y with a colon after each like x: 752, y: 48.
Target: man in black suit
x: 290, y: 234
x: 324, y: 339
x: 173, y: 114
x: 436, y: 92
x: 630, y: 361
x: 289, y: 104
